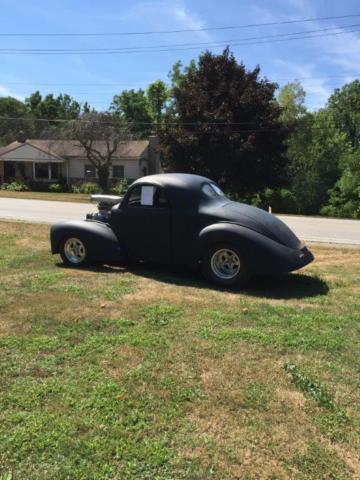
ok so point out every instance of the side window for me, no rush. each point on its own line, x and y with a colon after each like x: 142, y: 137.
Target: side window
x: 89, y: 171
x: 160, y: 200
x: 134, y: 199
x: 147, y: 196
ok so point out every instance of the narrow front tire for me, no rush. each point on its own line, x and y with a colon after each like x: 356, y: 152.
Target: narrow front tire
x: 73, y: 252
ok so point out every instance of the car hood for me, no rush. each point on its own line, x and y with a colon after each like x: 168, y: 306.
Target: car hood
x: 258, y: 220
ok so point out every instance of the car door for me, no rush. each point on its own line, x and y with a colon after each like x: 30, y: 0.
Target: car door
x: 143, y: 223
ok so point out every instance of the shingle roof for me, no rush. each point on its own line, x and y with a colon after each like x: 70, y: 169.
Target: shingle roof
x: 71, y: 148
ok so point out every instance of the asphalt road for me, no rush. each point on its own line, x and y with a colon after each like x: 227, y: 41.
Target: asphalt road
x: 312, y: 229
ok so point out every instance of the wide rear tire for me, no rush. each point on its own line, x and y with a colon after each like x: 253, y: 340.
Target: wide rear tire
x: 223, y: 264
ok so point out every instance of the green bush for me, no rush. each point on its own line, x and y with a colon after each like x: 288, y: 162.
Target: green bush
x: 15, y: 186
x: 55, y: 187
x: 281, y: 200
x: 120, y: 187
x: 86, y: 187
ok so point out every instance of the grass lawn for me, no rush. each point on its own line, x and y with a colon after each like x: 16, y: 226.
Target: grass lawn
x: 60, y: 197
x: 149, y: 373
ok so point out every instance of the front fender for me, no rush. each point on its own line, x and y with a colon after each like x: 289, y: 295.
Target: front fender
x: 261, y: 254
x: 101, y: 242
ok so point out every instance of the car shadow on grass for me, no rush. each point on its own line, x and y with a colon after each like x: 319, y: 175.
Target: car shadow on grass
x: 287, y: 286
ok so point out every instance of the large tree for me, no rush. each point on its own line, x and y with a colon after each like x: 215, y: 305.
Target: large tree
x: 132, y: 108
x: 292, y: 102
x: 13, y: 120
x: 315, y: 151
x: 345, y: 106
x: 227, y: 125
x: 46, y: 110
x: 157, y: 96
x: 100, y: 135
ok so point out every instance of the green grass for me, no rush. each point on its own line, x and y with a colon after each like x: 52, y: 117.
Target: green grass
x: 56, y: 196
x: 149, y: 373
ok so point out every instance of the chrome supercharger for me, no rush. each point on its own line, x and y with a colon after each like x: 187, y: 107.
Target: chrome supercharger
x: 105, y: 204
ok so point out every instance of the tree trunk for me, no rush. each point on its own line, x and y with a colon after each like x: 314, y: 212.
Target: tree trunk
x: 103, y: 174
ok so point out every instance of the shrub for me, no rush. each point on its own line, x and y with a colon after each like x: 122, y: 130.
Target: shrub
x: 55, y: 187
x: 15, y: 186
x: 86, y: 187
x: 120, y: 187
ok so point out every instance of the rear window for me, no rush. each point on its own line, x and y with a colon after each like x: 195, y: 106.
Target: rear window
x: 212, y: 190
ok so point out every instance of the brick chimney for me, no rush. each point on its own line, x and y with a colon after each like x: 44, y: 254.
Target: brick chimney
x: 154, y: 156
x: 21, y: 137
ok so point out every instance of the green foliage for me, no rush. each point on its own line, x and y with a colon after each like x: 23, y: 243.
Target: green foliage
x: 15, y: 186
x: 161, y: 314
x: 344, y: 198
x: 218, y: 89
x: 120, y: 187
x: 157, y: 96
x: 86, y: 187
x: 291, y: 99
x: 315, y: 151
x: 310, y: 387
x: 9, y: 130
x: 316, y: 462
x: 132, y: 107
x: 344, y: 104
x: 55, y: 187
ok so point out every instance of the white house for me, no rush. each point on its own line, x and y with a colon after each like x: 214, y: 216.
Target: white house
x: 51, y: 160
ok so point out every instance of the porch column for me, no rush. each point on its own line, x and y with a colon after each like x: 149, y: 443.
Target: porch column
x: 33, y: 165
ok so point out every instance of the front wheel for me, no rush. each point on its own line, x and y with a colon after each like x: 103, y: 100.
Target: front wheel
x: 73, y: 252
x: 223, y: 265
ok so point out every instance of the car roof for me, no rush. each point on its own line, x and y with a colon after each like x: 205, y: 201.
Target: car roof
x: 183, y: 189
x: 179, y: 180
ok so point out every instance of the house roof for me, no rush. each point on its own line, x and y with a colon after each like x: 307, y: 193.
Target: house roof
x: 72, y: 148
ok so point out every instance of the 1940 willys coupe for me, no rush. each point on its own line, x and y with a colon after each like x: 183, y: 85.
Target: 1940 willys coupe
x: 182, y: 219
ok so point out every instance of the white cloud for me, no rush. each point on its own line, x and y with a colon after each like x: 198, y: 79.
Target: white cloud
x: 317, y: 88
x: 162, y: 15
x: 5, y: 92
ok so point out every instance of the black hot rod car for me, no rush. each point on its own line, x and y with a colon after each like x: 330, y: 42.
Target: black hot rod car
x: 185, y: 220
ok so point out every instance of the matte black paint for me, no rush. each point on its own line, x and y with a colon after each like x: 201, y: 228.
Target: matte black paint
x: 181, y: 233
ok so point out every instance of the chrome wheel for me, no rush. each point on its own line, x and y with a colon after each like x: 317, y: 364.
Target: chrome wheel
x: 74, y: 250
x: 225, y: 264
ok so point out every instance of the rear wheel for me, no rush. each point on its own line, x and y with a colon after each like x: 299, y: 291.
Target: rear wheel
x: 223, y: 265
x: 73, y: 252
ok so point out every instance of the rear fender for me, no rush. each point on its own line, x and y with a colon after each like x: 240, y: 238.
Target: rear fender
x: 261, y: 254
x: 101, y: 242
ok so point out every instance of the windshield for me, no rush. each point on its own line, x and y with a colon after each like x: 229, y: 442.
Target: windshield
x: 212, y: 190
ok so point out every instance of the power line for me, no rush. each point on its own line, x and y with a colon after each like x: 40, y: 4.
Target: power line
x: 170, y: 48
x: 325, y: 77
x: 154, y: 124
x: 188, y: 44
x: 160, y: 32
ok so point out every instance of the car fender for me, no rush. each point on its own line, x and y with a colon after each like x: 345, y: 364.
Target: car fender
x: 261, y: 254
x: 101, y: 242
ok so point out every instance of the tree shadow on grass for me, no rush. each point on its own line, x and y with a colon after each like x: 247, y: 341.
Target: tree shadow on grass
x: 287, y: 286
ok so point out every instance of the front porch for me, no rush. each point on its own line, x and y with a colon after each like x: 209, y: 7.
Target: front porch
x: 26, y: 170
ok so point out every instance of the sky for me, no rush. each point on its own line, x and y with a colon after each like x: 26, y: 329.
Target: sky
x: 321, y: 63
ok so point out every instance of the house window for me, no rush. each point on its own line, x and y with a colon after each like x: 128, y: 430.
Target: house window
x: 42, y: 171
x: 118, y: 171
x: 89, y: 171
x: 46, y: 171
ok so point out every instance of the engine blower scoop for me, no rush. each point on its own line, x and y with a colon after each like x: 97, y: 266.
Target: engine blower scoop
x: 105, y: 203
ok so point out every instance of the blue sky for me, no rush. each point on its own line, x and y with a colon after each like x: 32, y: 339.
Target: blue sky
x: 318, y: 58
